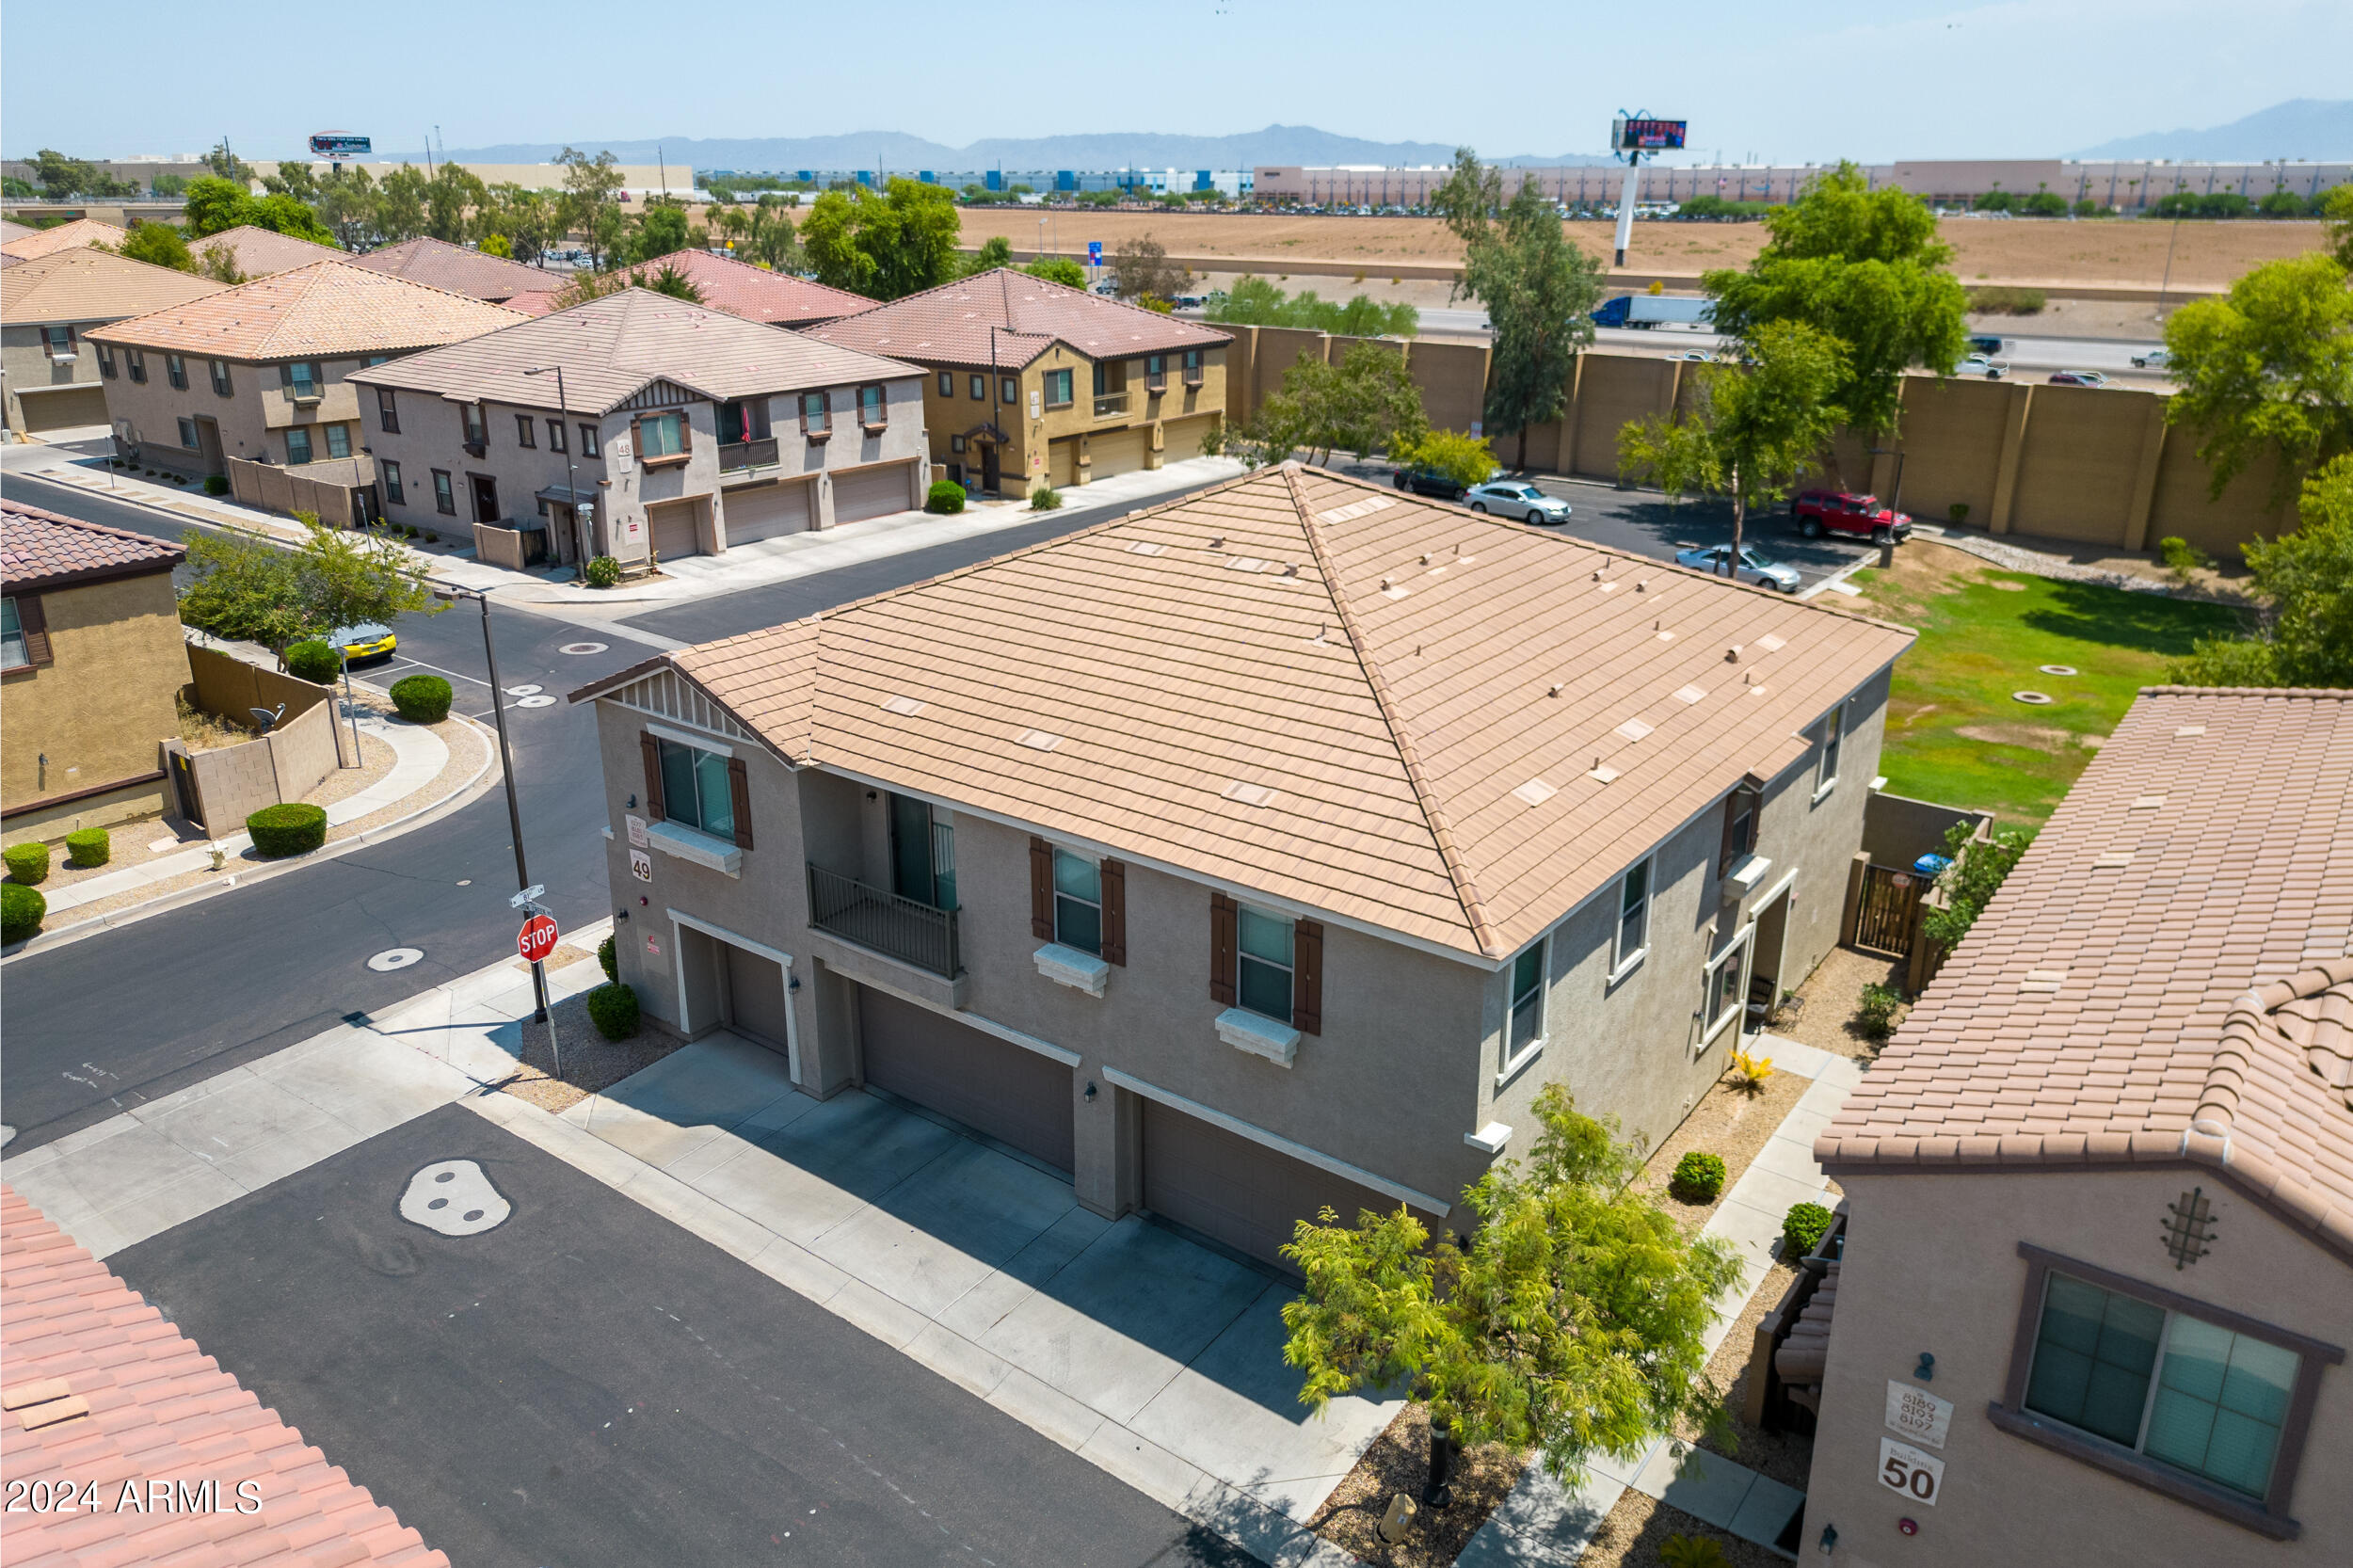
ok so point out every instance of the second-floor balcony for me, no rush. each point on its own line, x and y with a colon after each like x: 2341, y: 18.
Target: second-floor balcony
x: 901, y: 928
x: 735, y: 456
x: 1110, y: 404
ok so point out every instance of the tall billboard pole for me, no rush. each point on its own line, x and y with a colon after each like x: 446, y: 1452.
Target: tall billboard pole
x: 1630, y: 136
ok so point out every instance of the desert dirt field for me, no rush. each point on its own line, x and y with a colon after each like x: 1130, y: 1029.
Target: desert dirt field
x: 2129, y: 252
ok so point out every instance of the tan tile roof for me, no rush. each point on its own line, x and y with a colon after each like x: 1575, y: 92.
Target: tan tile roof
x: 263, y: 251
x: 92, y: 285
x: 426, y: 259
x: 326, y: 309
x: 612, y: 348
x: 65, y: 236
x: 11, y: 230
x: 1323, y: 690
x: 2163, y: 976
x: 105, y: 1392
x: 950, y: 325
x: 756, y: 293
x: 43, y: 550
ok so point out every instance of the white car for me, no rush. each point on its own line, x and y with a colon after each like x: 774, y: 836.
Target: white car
x: 1754, y: 567
x: 1516, y: 498
x: 1982, y: 364
x: 2156, y: 358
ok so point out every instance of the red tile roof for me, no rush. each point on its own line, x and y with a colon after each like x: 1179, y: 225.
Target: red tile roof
x: 43, y: 550
x: 101, y: 1392
x: 756, y: 293
x: 2167, y: 975
x: 426, y: 259
x: 950, y: 325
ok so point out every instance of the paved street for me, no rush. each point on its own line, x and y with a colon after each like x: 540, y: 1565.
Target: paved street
x: 588, y: 1383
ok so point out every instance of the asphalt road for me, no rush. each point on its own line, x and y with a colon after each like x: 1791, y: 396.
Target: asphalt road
x: 587, y: 1383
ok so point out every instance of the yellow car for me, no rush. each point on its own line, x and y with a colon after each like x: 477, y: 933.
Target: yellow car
x: 368, y: 640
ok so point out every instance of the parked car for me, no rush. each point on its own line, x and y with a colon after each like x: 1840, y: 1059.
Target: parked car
x: 1754, y: 567
x: 1821, y: 512
x: 1425, y: 481
x: 1987, y: 344
x: 1982, y: 364
x: 368, y: 640
x: 1516, y: 498
x: 2078, y: 379
x: 2156, y: 358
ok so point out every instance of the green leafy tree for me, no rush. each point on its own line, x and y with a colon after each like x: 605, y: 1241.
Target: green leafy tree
x: 660, y: 231
x: 399, y: 210
x: 226, y: 164
x: 296, y: 179
x: 1058, y: 269
x: 347, y: 206
x: 883, y: 246
x: 169, y: 186
x: 213, y: 204
x: 1539, y: 287
x: 591, y: 202
x: 1255, y: 302
x: 768, y: 238
x: 242, y: 587
x: 2304, y: 581
x: 1751, y: 430
x: 995, y: 251
x: 62, y: 177
x: 1367, y: 403
x: 1979, y: 865
x: 1141, y: 270
x: 1462, y: 457
x: 158, y: 245
x: 283, y: 215
x: 1863, y: 266
x: 218, y: 262
x: 1571, y: 1320
x: 2267, y: 367
x: 451, y: 199
x: 2336, y: 222
x: 670, y: 281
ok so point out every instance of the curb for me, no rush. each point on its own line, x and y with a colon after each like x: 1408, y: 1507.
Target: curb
x: 457, y: 799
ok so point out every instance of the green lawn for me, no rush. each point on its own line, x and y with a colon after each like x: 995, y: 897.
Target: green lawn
x: 1954, y: 733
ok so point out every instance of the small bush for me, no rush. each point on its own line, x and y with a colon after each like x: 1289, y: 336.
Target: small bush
x: 1959, y: 512
x: 431, y: 538
x: 1045, y: 499
x: 1803, y: 1229
x: 602, y: 571
x: 947, y: 497
x: 421, y: 698
x: 215, y: 483
x: 26, y: 863
x: 293, y: 828
x: 1699, y: 1177
x: 314, y: 661
x: 1692, y: 1551
x: 2182, y: 559
x: 613, y: 1008
x: 21, y: 910
x: 608, y: 960
x: 1875, y: 1015
x: 88, y: 846
x: 2000, y: 300
x: 1748, y: 1073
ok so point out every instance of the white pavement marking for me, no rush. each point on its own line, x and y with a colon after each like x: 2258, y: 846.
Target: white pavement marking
x: 455, y: 1197
x: 394, y: 958
x: 405, y: 662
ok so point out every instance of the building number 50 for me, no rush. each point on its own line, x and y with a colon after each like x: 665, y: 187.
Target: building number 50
x: 1912, y: 1473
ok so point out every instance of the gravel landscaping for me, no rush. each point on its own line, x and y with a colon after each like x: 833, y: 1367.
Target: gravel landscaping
x: 591, y: 1062
x: 1399, y: 1461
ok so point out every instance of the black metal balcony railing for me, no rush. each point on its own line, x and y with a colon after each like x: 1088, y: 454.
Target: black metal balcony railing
x: 907, y: 930
x: 742, y: 454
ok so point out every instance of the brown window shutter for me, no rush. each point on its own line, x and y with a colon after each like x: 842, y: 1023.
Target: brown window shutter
x: 1114, y: 912
x: 882, y: 406
x: 638, y: 437
x: 33, y: 621
x: 1724, y: 846
x: 685, y: 433
x: 1041, y: 888
x: 1225, y: 935
x: 739, y: 792
x: 652, y: 749
x: 1307, y: 976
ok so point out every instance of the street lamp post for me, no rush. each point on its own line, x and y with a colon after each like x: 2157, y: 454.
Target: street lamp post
x: 571, y: 479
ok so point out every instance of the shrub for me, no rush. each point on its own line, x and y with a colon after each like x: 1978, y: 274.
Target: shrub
x: 1692, y: 1551
x: 604, y: 571
x: 431, y: 538
x: 293, y: 828
x: 608, y: 960
x: 613, y: 1008
x: 1875, y: 1015
x: 1748, y: 1073
x: 421, y: 698
x: 2088, y: 207
x: 88, y: 846
x: 1699, y: 1177
x: 313, y: 660
x: 1974, y: 877
x: 1045, y: 499
x: 2004, y: 301
x: 947, y: 497
x: 26, y: 863
x: 2182, y: 559
x: 1959, y: 512
x: 215, y: 483
x: 21, y: 910
x: 1803, y: 1229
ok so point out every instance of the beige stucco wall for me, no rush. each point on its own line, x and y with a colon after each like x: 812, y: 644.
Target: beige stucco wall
x: 1931, y: 1264
x: 253, y: 418
x: 24, y: 358
x: 98, y: 710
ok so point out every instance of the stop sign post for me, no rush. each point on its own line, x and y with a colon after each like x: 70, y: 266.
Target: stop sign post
x: 537, y: 939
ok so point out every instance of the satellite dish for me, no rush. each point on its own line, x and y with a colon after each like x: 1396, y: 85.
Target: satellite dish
x: 264, y: 717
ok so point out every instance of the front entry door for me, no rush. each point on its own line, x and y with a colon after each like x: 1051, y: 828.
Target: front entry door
x: 208, y: 442
x: 988, y: 467
x: 486, y: 497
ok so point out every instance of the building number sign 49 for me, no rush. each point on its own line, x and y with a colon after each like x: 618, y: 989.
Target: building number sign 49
x: 1914, y: 1472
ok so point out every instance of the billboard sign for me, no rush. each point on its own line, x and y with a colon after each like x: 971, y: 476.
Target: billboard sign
x: 336, y: 145
x: 1647, y: 135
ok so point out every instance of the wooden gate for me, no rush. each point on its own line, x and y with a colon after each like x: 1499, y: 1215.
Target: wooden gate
x: 1890, y: 900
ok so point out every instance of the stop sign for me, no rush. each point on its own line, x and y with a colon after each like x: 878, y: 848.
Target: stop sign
x: 536, y: 939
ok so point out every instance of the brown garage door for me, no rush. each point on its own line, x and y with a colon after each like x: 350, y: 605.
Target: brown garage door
x: 1012, y: 1095
x: 674, y: 531
x: 1233, y: 1191
x: 1181, y: 438
x: 1118, y: 451
x: 755, y: 1001
x: 1062, y: 462
x: 66, y: 408
x: 873, y: 491
x: 763, y: 511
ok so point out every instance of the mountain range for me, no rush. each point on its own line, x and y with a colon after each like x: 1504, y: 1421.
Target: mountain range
x: 2300, y: 128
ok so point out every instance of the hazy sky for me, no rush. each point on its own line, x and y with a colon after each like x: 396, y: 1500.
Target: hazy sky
x: 1903, y: 78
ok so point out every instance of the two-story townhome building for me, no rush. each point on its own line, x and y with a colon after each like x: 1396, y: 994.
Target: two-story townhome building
x: 677, y: 430
x: 262, y: 372
x: 1266, y: 850
x: 1036, y: 382
x: 739, y: 288
x: 458, y: 269
x: 2095, y: 1291
x: 49, y: 305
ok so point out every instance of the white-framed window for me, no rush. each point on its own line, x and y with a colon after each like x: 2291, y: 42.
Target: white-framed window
x: 1265, y: 949
x: 1524, y: 1029
x: 1633, y: 933
x: 695, y: 790
x: 1834, y: 741
x: 980, y: 388
x: 1723, y: 986
x: 1077, y: 901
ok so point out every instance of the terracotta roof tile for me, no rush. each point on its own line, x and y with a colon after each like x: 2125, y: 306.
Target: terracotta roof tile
x: 87, y: 284
x: 950, y: 325
x: 426, y: 259
x: 43, y: 550
x: 756, y: 293
x: 160, y: 1410
x: 261, y: 252
x: 326, y: 309
x: 64, y: 236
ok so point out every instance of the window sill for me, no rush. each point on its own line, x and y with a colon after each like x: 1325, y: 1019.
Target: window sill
x: 1633, y: 962
x: 695, y: 848
x: 1708, y: 1035
x: 1247, y: 1031
x: 873, y: 429
x: 1824, y: 792
x: 817, y: 438
x: 673, y: 460
x: 2131, y: 1466
x: 1515, y: 1065
x: 1745, y: 873
x: 1079, y: 971
x: 1490, y: 1139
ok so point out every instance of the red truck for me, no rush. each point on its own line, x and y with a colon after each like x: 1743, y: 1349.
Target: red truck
x: 1819, y: 512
